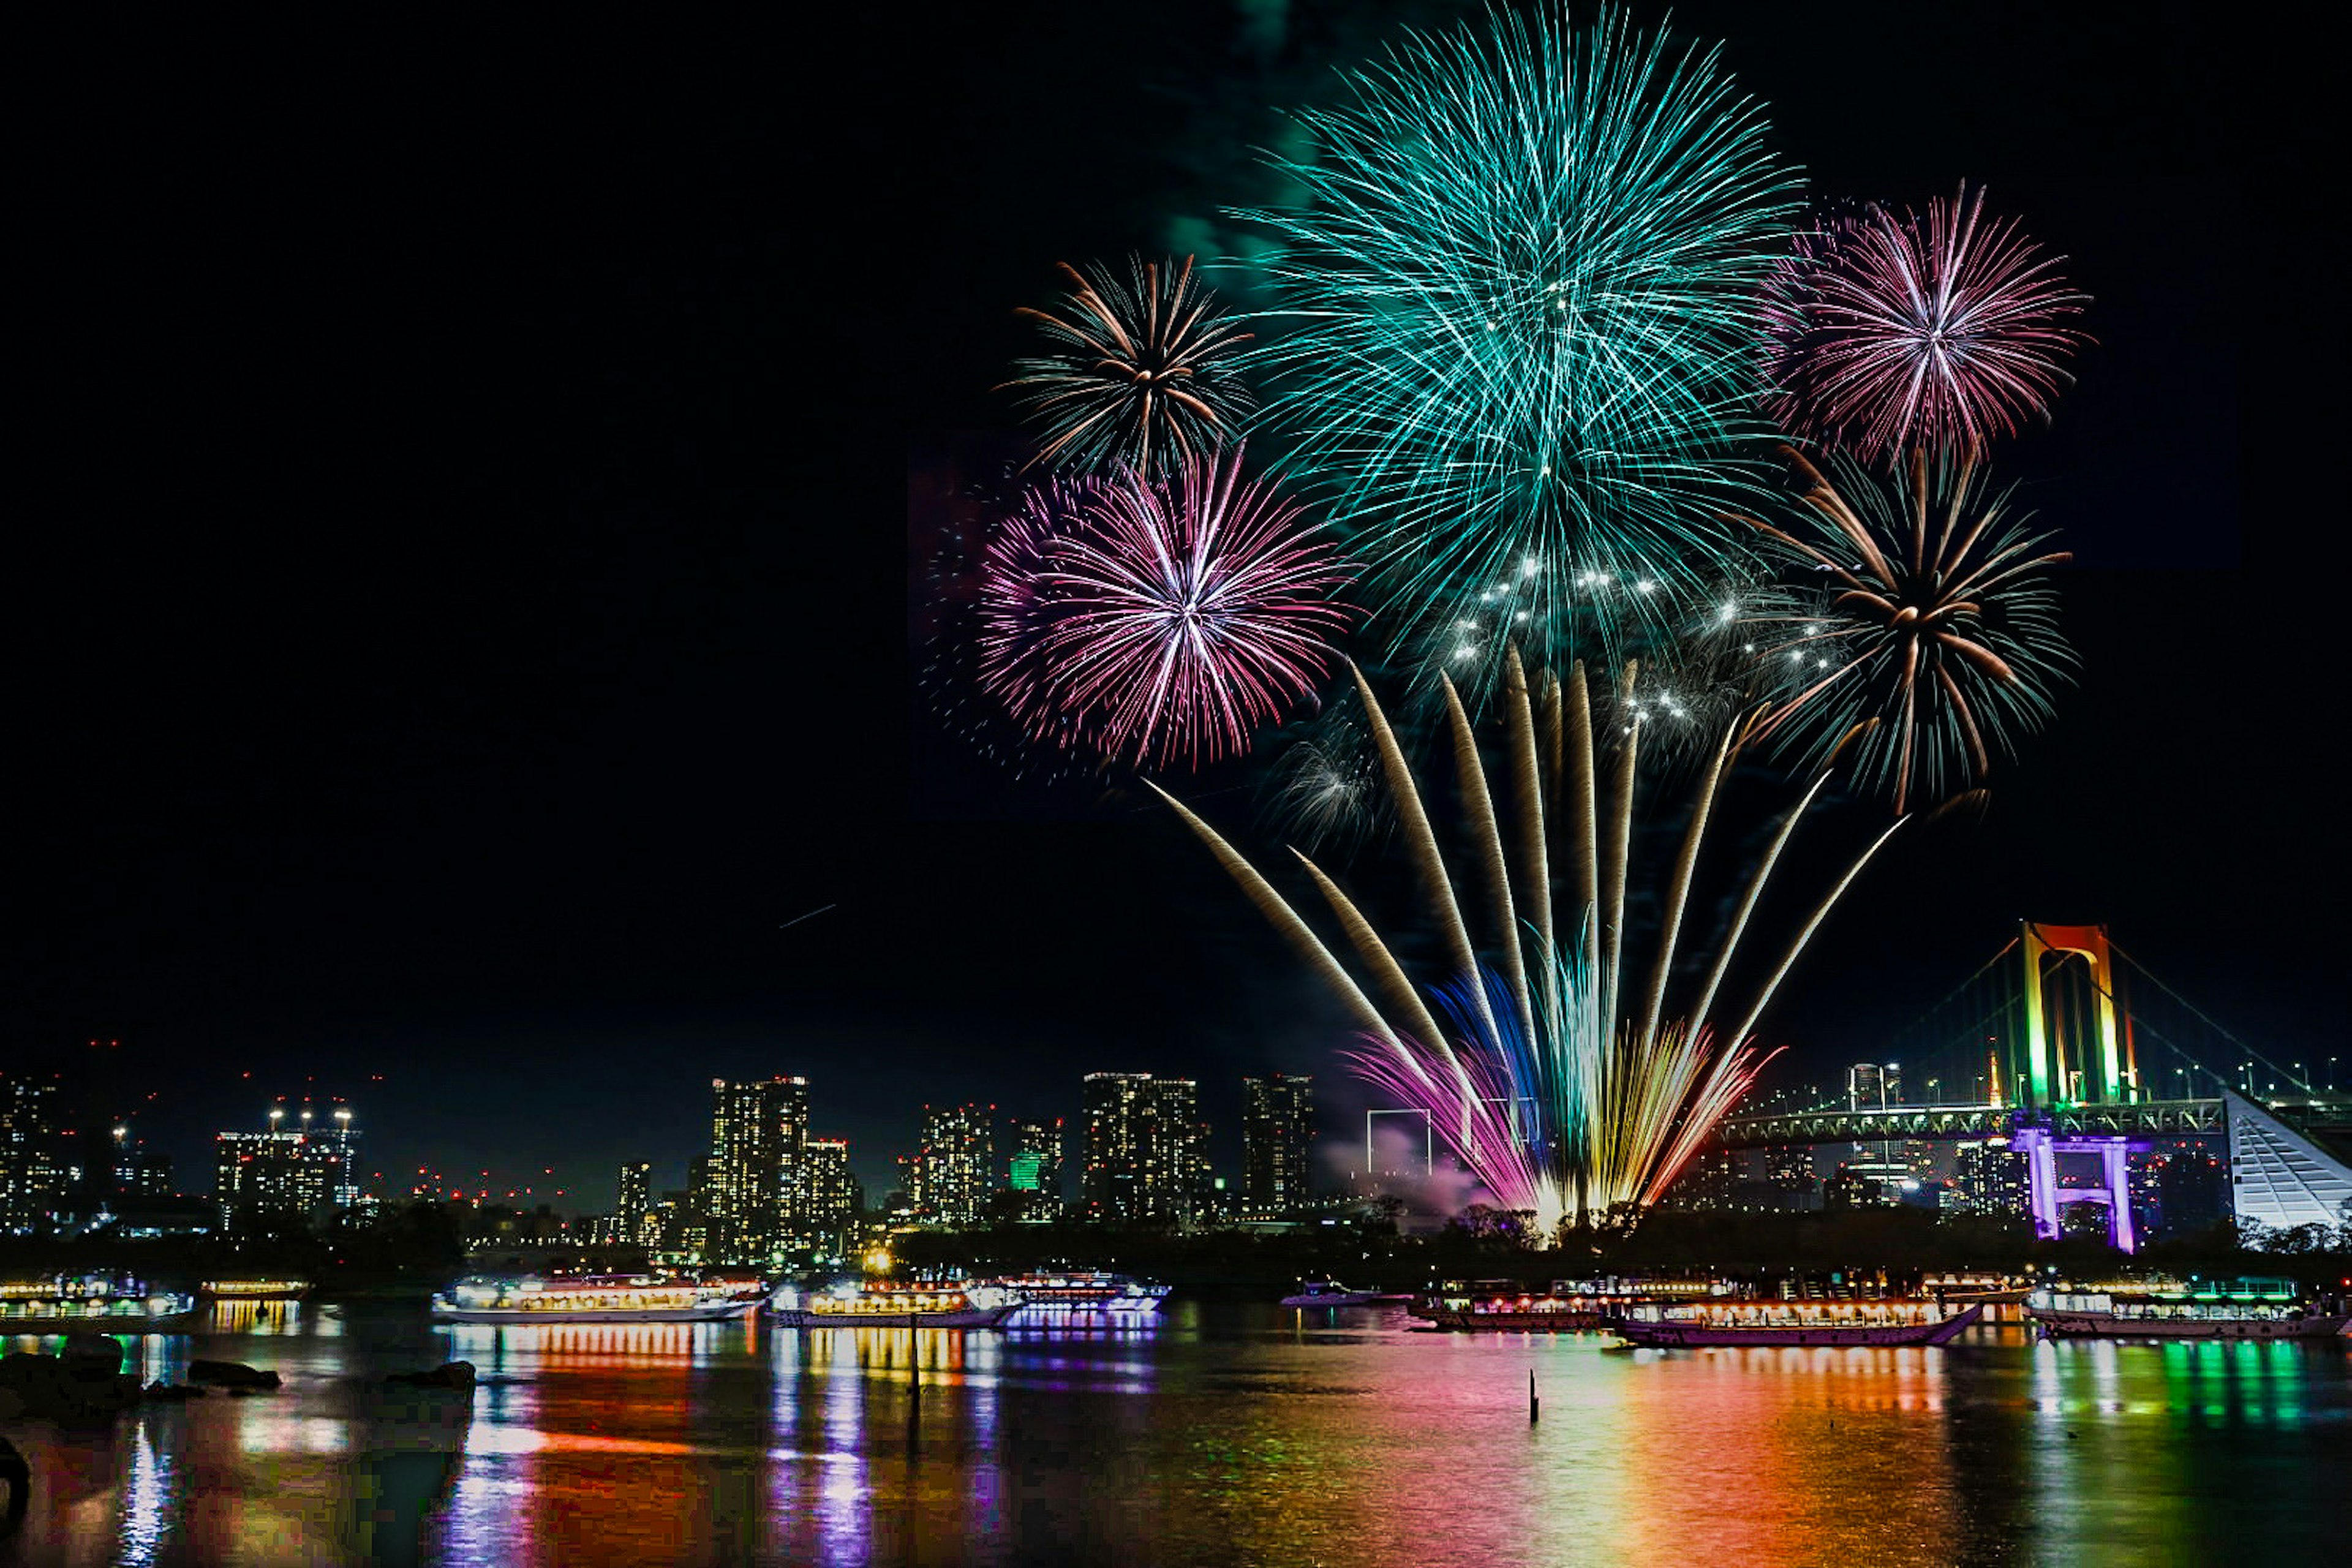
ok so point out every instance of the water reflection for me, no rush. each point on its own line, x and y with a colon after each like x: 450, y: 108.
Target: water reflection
x: 1214, y: 1436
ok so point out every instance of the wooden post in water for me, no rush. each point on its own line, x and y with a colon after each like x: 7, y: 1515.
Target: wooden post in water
x: 1533, y: 1405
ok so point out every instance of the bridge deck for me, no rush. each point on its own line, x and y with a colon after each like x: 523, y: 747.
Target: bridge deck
x: 1935, y: 1122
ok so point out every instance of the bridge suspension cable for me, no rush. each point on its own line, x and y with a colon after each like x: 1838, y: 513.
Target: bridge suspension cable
x: 2204, y: 1018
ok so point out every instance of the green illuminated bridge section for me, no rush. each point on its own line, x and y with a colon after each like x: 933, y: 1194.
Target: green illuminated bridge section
x: 1935, y: 1122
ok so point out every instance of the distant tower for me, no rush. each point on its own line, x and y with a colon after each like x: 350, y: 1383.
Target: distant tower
x: 32, y: 1153
x: 1277, y: 1125
x: 1032, y: 1166
x: 635, y: 1205
x: 759, y: 1137
x: 951, y: 1170
x: 284, y: 1171
x: 1145, y: 1147
x: 832, y: 1199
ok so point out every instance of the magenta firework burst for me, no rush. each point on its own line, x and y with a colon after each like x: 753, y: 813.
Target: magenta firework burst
x: 1157, y: 619
x: 1885, y: 333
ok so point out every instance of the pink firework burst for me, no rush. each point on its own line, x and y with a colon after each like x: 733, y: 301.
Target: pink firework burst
x: 1157, y: 619
x: 1886, y: 332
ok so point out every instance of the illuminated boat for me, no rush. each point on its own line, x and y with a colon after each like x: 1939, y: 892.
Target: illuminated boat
x: 1992, y: 1290
x: 1083, y: 1290
x: 2239, y: 1309
x: 880, y: 1306
x: 91, y: 1303
x: 1331, y: 1293
x: 1678, y: 1326
x: 1569, y: 1306
x: 253, y: 1290
x: 593, y: 1299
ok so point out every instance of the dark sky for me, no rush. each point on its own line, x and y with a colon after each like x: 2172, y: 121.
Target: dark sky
x: 468, y: 615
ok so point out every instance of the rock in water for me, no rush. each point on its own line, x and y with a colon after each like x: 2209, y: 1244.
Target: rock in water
x: 457, y: 1375
x: 91, y: 1355
x: 230, y: 1374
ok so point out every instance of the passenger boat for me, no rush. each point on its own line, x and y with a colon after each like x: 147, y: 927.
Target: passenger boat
x: 1793, y: 1323
x: 89, y: 1303
x: 593, y: 1299
x: 1569, y: 1306
x: 880, y: 1306
x: 1083, y: 1289
x: 2241, y: 1309
x: 1992, y: 1290
x: 253, y: 1290
x: 1331, y: 1293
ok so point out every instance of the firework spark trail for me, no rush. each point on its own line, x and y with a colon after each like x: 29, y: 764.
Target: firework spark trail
x: 1884, y: 333
x: 1915, y: 602
x: 1145, y: 373
x: 1616, y: 1111
x: 1157, y: 619
x: 1522, y: 282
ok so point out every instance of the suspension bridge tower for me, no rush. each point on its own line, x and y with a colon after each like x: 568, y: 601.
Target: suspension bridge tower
x: 2078, y: 1052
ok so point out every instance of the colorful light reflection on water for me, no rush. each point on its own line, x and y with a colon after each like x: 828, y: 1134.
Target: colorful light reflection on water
x: 1214, y: 1435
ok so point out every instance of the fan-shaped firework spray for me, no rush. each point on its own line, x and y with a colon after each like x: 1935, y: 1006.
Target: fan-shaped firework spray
x: 1605, y: 1096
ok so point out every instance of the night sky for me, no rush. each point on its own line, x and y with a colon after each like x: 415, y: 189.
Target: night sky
x: 461, y: 605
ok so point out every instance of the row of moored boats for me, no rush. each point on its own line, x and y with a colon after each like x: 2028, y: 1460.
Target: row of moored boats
x: 1673, y: 1314
x: 1666, y: 1313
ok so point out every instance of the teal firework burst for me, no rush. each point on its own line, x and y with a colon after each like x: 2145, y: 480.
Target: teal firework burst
x: 1519, y: 286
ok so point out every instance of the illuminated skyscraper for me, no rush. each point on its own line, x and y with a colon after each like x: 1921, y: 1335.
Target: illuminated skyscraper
x: 1033, y: 1169
x: 32, y: 1164
x: 1277, y: 1125
x: 138, y: 1170
x: 832, y: 1199
x: 951, y: 1173
x: 1992, y: 1180
x: 284, y: 1173
x: 634, y: 1207
x: 1145, y: 1147
x: 759, y: 1138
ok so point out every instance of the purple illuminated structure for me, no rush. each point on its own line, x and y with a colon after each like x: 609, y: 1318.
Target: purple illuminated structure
x: 2044, y: 1194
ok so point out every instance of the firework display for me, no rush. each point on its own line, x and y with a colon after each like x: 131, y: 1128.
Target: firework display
x: 1941, y: 330
x: 1919, y: 607
x: 1537, y: 305
x: 1549, y: 1067
x: 1142, y: 373
x: 1520, y: 293
x: 1158, y: 620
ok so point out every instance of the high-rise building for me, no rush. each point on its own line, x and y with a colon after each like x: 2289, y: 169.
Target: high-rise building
x: 1789, y: 1172
x: 1992, y: 1179
x: 758, y: 1137
x: 282, y: 1172
x: 1032, y: 1168
x: 32, y: 1157
x: 633, y: 1205
x: 1709, y: 1181
x: 1869, y: 1183
x: 832, y: 1199
x: 1145, y: 1154
x: 954, y: 1168
x: 139, y: 1172
x: 1277, y: 1125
